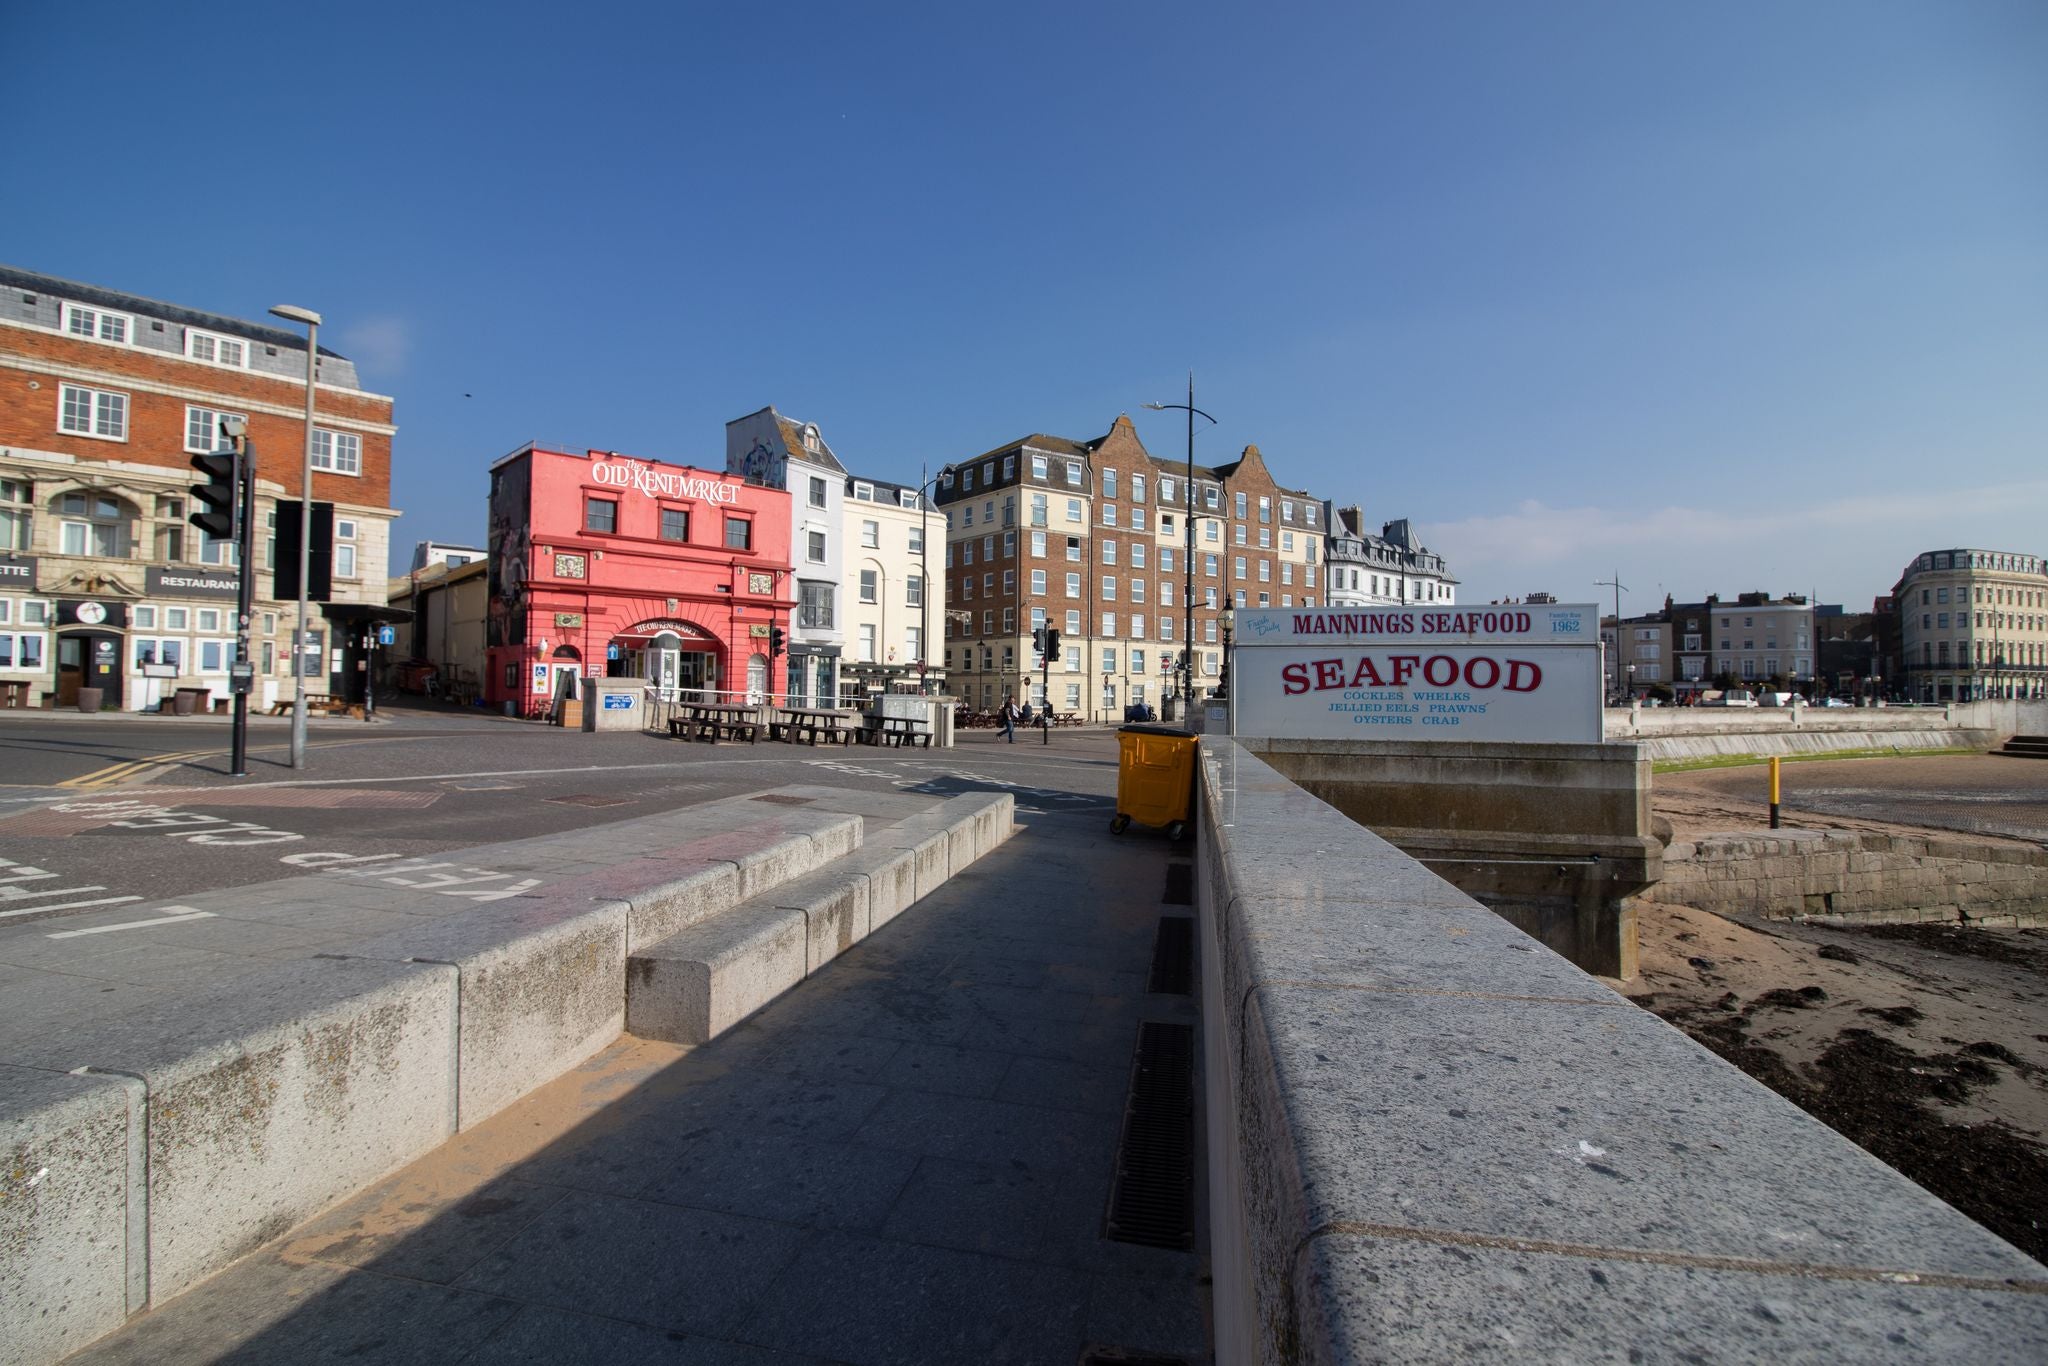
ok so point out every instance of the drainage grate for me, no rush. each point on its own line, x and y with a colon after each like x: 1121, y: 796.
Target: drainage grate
x: 1152, y: 1201
x: 781, y: 800
x: 1180, y: 884
x: 587, y: 799
x: 1173, y: 956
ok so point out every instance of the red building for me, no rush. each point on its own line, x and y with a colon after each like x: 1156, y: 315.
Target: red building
x: 609, y: 565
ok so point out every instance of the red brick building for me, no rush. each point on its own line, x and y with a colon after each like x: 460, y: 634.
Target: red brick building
x: 104, y: 398
x: 607, y: 565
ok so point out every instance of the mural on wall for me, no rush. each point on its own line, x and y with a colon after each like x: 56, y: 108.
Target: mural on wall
x: 510, y: 544
x: 763, y: 465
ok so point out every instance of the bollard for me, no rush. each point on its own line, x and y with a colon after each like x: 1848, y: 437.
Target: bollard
x: 1774, y: 792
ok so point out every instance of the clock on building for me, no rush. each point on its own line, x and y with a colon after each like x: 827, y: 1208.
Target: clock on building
x: 569, y: 566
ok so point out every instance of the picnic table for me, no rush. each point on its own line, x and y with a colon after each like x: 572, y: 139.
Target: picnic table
x: 715, y: 721
x: 902, y: 730
x: 315, y: 701
x: 811, y: 724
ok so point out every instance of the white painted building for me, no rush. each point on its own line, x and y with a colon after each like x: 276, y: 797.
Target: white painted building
x: 1364, y: 570
x: 890, y: 616
x: 777, y: 452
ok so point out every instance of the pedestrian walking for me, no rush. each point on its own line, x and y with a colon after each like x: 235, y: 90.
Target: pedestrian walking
x: 1009, y: 715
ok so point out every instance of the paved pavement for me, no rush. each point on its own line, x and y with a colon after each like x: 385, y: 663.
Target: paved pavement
x: 905, y: 1160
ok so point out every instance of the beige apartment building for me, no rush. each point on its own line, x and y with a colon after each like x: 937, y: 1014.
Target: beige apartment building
x: 1973, y: 624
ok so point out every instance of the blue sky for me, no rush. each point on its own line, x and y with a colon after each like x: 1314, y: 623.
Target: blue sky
x: 1720, y: 297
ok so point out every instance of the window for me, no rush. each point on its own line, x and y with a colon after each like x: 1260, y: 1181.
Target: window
x: 1037, y: 466
x: 1265, y: 571
x: 215, y: 349
x: 988, y: 549
x: 1239, y: 535
x: 1166, y: 559
x: 601, y: 515
x: 867, y: 643
x: 1209, y: 566
x: 1137, y: 555
x: 1038, y: 544
x: 1073, y: 653
x: 814, y: 546
x: 913, y: 643
x: 104, y: 530
x: 1109, y: 588
x: 1038, y: 583
x: 739, y: 533
x: 1210, y: 531
x: 1109, y: 552
x: 92, y: 412
x: 1074, y: 474
x: 1109, y: 514
x: 675, y: 524
x: 1108, y: 629
x: 81, y: 321
x: 337, y: 452
x: 1238, y: 565
x: 871, y: 535
x: 814, y: 605
x: 1265, y: 538
x: 16, y: 516
x: 1137, y: 661
x: 1038, y: 509
x: 913, y: 590
x: 1137, y: 590
x: 1137, y: 488
x: 868, y: 591
x: 966, y: 552
x: 1073, y: 585
x: 21, y: 650
x: 1073, y: 509
x: 1265, y: 509
x: 1109, y: 483
x: 202, y: 429
x: 1074, y: 623
x: 967, y: 480
x: 1108, y: 658
x: 344, y: 554
x: 1009, y: 583
x: 916, y: 540
x: 1241, y: 505
x: 1074, y: 549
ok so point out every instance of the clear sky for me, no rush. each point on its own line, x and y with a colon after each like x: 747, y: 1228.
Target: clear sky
x: 1719, y: 297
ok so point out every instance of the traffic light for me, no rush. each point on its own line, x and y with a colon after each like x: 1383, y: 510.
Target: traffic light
x: 775, y: 642
x: 284, y: 574
x: 214, y: 501
x: 1038, y: 639
x: 1052, y: 643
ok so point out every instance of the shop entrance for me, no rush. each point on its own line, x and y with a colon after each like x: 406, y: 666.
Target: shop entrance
x: 672, y: 658
x: 88, y: 659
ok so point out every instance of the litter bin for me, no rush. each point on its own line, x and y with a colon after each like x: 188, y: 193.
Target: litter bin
x: 1155, y: 778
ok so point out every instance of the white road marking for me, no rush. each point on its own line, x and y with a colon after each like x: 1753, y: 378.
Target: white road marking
x: 70, y: 905
x: 167, y: 915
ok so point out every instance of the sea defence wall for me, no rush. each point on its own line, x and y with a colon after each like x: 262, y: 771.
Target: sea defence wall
x: 1431, y: 1138
x: 1859, y: 878
x: 1679, y: 733
x: 1554, y: 838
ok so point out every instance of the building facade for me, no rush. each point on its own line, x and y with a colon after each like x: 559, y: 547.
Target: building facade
x: 1121, y: 553
x: 1393, y: 567
x: 890, y: 617
x: 775, y: 452
x: 618, y: 566
x: 1636, y: 656
x: 1972, y: 624
x: 104, y: 583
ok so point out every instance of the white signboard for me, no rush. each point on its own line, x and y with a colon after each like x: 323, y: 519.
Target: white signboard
x: 1523, y: 672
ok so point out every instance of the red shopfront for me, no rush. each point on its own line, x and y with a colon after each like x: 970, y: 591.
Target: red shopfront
x: 614, y: 566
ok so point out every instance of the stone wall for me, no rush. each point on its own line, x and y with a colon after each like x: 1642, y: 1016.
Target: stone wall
x: 1858, y: 878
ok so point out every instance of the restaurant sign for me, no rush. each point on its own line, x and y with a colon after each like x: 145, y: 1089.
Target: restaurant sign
x: 191, y: 583
x: 657, y: 482
x: 1521, y: 672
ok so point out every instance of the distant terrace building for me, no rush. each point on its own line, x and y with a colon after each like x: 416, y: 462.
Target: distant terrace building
x: 426, y: 554
x: 1393, y: 567
x: 1973, y: 624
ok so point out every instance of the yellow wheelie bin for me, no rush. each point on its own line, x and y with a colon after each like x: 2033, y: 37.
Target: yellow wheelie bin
x: 1155, y: 778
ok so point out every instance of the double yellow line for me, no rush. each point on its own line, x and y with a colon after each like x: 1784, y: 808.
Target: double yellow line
x: 135, y: 768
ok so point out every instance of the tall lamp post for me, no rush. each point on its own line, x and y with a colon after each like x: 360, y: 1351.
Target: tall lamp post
x: 291, y: 313
x: 1187, y: 645
x: 924, y: 540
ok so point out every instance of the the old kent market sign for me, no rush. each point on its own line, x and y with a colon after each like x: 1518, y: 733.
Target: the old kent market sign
x: 1520, y: 673
x: 658, y: 482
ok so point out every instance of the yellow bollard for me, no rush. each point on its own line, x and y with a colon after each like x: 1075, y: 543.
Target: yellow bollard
x: 1774, y: 792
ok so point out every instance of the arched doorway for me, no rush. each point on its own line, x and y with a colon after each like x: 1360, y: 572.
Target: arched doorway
x: 757, y: 680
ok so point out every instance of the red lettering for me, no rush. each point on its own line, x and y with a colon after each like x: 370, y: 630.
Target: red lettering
x: 1450, y: 671
x: 1366, y: 675
x: 1295, y: 677
x: 1404, y: 665
x: 1329, y: 674
x: 1472, y: 672
x: 1523, y: 676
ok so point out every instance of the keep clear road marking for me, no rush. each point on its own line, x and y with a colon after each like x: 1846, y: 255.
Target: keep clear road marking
x: 166, y: 915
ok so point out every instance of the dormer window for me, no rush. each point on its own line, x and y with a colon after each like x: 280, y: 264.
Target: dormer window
x: 98, y: 324
x: 215, y: 349
x: 811, y: 442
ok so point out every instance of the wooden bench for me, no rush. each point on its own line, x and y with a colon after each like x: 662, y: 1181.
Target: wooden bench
x: 315, y: 701
x: 811, y: 725
x: 714, y: 722
x: 903, y: 730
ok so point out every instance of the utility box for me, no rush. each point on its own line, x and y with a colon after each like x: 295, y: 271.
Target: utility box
x: 614, y: 704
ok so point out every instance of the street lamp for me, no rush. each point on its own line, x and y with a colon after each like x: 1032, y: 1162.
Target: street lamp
x: 1188, y: 644
x: 1631, y: 683
x: 291, y: 313
x: 924, y: 597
